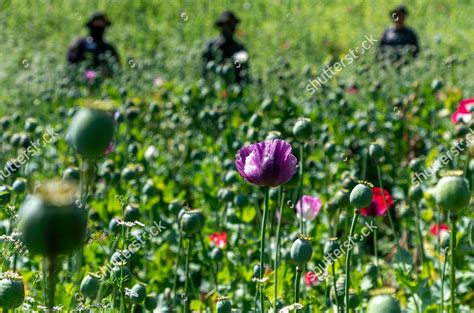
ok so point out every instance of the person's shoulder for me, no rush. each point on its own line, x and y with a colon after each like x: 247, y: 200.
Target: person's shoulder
x: 410, y: 31
x: 76, y: 42
x: 239, y: 45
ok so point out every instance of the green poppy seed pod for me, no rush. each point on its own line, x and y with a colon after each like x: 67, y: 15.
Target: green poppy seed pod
x: 302, y: 129
x: 416, y: 165
x: 225, y: 194
x: 452, y: 193
x: 5, y: 195
x: 52, y: 221
x: 89, y: 285
x: 151, y: 303
x: 376, y: 152
x: 256, y: 271
x: 241, y: 200
x: 71, y: 174
x: 12, y: 291
x: 301, y: 251
x: 192, y: 222
x: 223, y: 305
x: 353, y: 299
x: 174, y: 206
x: 138, y: 294
x: 91, y: 132
x: 445, y: 240
x: 331, y: 246
x: 217, y: 254
x: 19, y: 185
x: 341, y: 199
x: 436, y: 85
x: 372, y: 271
x: 383, y: 304
x: 114, y: 226
x: 416, y: 193
x: 121, y: 275
x: 361, y: 196
x: 31, y: 124
x: 131, y: 213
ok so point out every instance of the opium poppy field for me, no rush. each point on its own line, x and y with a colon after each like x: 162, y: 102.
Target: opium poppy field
x: 236, y: 156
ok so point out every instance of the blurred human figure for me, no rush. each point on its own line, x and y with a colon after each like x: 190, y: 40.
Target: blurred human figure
x: 94, y: 48
x: 399, y: 40
x: 225, y: 55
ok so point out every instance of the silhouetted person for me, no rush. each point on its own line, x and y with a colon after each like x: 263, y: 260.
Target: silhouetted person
x: 94, y: 48
x: 398, y: 41
x: 225, y: 55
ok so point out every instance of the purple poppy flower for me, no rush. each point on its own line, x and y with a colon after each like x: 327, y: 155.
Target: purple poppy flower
x: 268, y: 163
x: 310, y: 207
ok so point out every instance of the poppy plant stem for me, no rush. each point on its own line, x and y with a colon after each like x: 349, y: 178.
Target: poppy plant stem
x: 297, y: 284
x: 186, y: 282
x: 208, y: 260
x: 376, y: 253
x: 301, y: 186
x: 262, y: 247
x: 452, y: 277
x: 334, y: 285
x: 443, y: 274
x: 178, y: 256
x: 348, y: 262
x: 281, y: 198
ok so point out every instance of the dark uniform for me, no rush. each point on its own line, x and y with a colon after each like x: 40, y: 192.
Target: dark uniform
x: 398, y: 41
x: 226, y: 55
x: 93, y: 47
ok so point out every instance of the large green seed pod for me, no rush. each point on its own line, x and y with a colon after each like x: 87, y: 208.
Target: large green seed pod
x: 301, y: 250
x: 192, y: 221
x: 138, y: 293
x: 91, y: 132
x: 383, y: 304
x: 361, y: 196
x: 452, y: 193
x: 302, y: 129
x: 224, y: 305
x: 151, y: 303
x: 331, y: 245
x: 121, y: 275
x: 376, y: 151
x: 52, y: 220
x: 12, y: 291
x: 89, y: 285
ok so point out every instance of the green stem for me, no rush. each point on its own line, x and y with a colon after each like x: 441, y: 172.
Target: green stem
x: 281, y: 197
x: 51, y: 269
x: 300, y: 189
x: 208, y: 260
x: 443, y: 273
x: 186, y: 282
x: 297, y: 283
x: 420, y: 240
x: 377, y: 254
x: 452, y: 277
x: 334, y: 285
x: 178, y: 256
x: 262, y: 247
x: 348, y: 262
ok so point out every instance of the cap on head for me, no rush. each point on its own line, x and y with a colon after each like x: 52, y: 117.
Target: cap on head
x: 227, y: 17
x: 401, y: 9
x: 98, y: 19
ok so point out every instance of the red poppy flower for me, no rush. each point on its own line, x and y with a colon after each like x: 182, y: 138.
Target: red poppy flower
x: 442, y: 229
x: 219, y: 239
x: 377, y: 207
x: 310, y: 279
x: 464, y: 111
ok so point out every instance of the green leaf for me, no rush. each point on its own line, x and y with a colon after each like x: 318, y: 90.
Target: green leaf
x: 248, y: 214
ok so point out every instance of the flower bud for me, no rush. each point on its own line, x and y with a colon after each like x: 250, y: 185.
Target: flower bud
x: 383, y: 304
x: 302, y: 129
x: 331, y: 246
x: 341, y: 199
x: 361, y: 196
x: 445, y: 239
x: 131, y: 213
x: 452, y: 193
x: 301, y: 250
x: 353, y: 299
x: 19, y: 185
x: 217, y: 254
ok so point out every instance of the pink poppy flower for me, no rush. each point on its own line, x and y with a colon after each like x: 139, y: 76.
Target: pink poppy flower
x: 310, y: 207
x: 219, y: 239
x: 310, y: 279
x: 464, y: 111
x: 377, y: 207
x: 443, y: 228
x: 90, y: 75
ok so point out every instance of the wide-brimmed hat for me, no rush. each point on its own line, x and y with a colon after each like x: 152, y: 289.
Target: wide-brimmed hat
x: 226, y: 17
x: 399, y: 9
x: 98, y: 16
